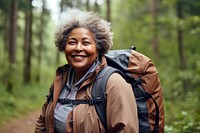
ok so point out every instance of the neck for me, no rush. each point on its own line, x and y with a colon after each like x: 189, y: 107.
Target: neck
x: 79, y: 75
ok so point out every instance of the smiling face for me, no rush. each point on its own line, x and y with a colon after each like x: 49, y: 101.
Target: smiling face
x: 80, y: 50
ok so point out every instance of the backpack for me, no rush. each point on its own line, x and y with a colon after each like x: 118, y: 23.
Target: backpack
x: 141, y: 73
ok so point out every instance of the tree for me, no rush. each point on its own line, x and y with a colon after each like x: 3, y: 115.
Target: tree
x: 12, y: 43
x: 108, y: 13
x: 41, y: 34
x: 88, y: 5
x: 154, y: 11
x: 4, y: 27
x: 180, y: 35
x: 13, y: 32
x: 27, y: 42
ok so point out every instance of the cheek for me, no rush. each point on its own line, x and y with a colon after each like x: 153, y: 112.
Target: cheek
x: 67, y: 52
x: 67, y: 49
x: 66, y: 57
x: 93, y: 52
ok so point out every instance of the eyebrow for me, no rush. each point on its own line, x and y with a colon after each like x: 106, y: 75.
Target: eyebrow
x: 73, y: 38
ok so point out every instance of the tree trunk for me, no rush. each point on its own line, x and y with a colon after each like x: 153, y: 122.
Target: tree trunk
x: 108, y: 11
x: 154, y: 11
x: 13, y: 32
x: 88, y: 5
x: 12, y: 44
x: 41, y: 40
x: 5, y: 36
x: 27, y: 42
x: 4, y: 50
x: 180, y: 37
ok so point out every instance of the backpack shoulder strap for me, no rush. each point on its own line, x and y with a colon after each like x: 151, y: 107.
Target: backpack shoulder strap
x: 50, y: 95
x: 98, y: 92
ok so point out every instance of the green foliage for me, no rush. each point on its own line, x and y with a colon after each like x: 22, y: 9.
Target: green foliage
x: 23, y: 100
x: 181, y: 112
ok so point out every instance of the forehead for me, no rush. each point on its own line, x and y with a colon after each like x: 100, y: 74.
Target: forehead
x: 81, y: 32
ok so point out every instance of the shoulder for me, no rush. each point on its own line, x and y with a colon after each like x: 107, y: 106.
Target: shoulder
x: 116, y: 77
x: 117, y: 83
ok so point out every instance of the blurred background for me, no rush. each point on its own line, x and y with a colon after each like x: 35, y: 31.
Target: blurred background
x: 167, y: 31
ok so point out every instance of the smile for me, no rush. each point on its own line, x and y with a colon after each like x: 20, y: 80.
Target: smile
x: 78, y: 57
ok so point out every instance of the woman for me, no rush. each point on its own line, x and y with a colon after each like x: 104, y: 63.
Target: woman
x: 84, y: 38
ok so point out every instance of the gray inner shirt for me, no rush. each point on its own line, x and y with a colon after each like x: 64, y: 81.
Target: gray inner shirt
x: 69, y: 91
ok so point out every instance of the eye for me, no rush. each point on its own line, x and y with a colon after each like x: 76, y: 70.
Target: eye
x: 86, y: 42
x: 71, y: 42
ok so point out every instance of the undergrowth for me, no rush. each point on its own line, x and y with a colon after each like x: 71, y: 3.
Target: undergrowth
x: 21, y: 101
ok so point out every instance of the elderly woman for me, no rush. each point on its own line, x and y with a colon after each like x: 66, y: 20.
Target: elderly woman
x: 84, y: 38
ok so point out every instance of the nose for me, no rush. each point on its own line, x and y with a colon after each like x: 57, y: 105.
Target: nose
x: 79, y: 47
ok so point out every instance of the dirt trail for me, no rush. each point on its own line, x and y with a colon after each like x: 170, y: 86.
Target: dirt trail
x: 25, y: 124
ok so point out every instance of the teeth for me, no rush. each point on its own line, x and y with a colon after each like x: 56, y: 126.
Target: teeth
x: 78, y: 57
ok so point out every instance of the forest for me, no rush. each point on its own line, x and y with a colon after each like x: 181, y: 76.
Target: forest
x: 167, y: 31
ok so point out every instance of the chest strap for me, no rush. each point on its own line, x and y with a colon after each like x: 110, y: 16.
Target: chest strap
x: 77, y: 102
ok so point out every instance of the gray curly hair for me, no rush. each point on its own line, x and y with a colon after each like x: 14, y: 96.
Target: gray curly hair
x: 89, y: 20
